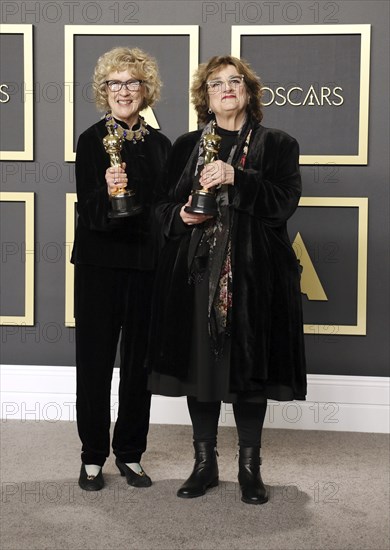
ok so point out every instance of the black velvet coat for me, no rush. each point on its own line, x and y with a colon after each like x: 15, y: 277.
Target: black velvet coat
x: 126, y: 243
x: 267, y: 346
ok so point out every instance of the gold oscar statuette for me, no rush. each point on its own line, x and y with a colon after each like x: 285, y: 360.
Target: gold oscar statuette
x: 122, y: 200
x: 203, y: 200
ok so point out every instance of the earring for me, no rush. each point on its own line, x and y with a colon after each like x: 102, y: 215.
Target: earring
x: 210, y: 112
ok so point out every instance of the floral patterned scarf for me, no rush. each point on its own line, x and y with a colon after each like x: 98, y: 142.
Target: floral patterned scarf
x: 215, y: 234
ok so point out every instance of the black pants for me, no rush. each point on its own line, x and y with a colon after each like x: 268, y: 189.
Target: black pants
x: 112, y: 305
x: 249, y: 419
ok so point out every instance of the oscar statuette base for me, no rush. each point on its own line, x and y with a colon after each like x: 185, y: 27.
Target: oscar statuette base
x: 203, y: 202
x: 123, y: 206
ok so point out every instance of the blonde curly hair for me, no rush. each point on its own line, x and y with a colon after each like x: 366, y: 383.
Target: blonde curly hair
x: 139, y: 63
x: 199, y: 94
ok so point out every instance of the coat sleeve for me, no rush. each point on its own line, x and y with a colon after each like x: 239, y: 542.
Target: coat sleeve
x: 271, y: 190
x: 92, y: 195
x: 169, y: 200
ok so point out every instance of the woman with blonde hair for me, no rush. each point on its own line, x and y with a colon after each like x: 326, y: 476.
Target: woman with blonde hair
x: 115, y: 255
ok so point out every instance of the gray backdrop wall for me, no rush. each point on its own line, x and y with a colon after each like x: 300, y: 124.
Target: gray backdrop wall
x: 330, y: 234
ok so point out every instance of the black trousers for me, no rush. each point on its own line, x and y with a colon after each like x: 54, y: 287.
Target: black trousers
x: 112, y: 305
x: 249, y: 419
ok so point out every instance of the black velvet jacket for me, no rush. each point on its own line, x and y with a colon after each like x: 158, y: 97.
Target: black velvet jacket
x: 127, y: 242
x: 267, y: 346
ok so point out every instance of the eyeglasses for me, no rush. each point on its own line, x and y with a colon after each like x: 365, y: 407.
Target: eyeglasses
x: 131, y: 85
x: 233, y: 82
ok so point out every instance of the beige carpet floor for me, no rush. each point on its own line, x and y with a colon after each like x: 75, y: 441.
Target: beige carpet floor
x: 328, y: 490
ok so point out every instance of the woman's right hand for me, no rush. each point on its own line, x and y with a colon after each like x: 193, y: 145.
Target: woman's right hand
x: 116, y: 178
x: 190, y: 218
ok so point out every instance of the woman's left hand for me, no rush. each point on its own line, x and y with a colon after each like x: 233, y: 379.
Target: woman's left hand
x: 216, y: 173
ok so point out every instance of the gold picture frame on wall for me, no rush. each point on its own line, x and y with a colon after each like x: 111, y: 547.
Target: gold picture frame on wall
x: 192, y: 31
x: 28, y: 92
x: 71, y: 201
x: 29, y: 254
x: 364, y: 30
x: 361, y: 203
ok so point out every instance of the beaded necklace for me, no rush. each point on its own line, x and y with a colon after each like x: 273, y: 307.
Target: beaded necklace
x: 131, y: 135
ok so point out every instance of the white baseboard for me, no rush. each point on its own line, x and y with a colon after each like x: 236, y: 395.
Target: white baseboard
x: 334, y: 403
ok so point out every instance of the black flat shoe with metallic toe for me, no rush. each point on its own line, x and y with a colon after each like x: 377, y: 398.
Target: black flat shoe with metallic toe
x: 90, y: 483
x: 133, y: 479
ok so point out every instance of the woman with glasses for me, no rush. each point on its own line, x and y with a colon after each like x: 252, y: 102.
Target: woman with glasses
x: 114, y: 259
x: 227, y: 319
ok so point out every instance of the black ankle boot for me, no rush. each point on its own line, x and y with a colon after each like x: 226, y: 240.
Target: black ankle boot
x: 205, y: 472
x: 249, y: 478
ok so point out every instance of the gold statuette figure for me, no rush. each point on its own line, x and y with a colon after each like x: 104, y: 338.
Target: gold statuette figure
x: 122, y: 200
x: 203, y: 200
